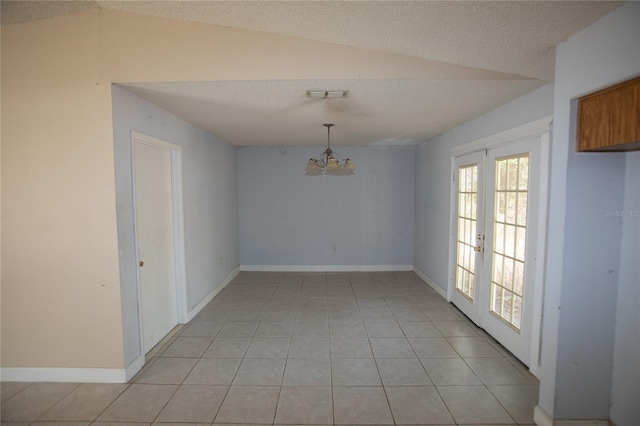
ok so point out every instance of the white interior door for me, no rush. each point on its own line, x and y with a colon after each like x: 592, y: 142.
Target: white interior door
x: 495, y: 223
x: 155, y: 242
x: 469, y: 213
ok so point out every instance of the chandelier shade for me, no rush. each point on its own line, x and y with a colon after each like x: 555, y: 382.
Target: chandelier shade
x: 328, y: 163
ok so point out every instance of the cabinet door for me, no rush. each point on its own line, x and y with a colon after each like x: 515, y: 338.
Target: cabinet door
x: 593, y: 122
x: 609, y: 120
x: 625, y: 114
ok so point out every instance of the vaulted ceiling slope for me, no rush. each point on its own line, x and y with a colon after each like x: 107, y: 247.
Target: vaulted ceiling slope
x: 476, y: 56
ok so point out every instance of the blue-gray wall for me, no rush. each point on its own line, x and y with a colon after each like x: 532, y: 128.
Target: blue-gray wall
x: 210, y: 204
x: 590, y: 359
x: 297, y: 221
x: 433, y: 177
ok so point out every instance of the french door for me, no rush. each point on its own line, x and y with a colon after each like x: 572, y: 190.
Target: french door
x: 495, y: 226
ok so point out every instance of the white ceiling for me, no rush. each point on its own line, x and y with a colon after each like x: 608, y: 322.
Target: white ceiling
x: 514, y: 39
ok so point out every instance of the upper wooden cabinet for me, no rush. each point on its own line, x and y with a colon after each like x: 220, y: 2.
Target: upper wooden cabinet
x: 609, y: 120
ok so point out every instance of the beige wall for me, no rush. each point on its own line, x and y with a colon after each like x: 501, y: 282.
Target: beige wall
x: 60, y: 288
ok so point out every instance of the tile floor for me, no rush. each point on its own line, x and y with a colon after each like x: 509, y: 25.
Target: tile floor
x: 305, y: 348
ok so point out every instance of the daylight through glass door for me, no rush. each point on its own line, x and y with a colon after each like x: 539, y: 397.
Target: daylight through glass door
x: 467, y: 218
x: 510, y: 231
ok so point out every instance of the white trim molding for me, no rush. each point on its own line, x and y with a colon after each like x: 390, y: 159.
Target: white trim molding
x: 434, y: 285
x: 541, y: 418
x: 325, y: 268
x: 55, y: 374
x: 133, y: 368
x: 527, y: 130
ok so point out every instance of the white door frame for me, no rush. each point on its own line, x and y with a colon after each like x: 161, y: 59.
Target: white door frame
x: 541, y: 129
x: 178, y: 226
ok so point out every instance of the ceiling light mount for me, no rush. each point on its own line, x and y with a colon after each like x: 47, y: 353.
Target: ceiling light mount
x: 328, y: 163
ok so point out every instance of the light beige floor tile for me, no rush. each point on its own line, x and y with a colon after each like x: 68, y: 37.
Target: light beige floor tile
x: 442, y: 313
x: 383, y: 329
x: 187, y: 347
x: 350, y: 347
x: 203, y: 328
x: 419, y: 329
x: 268, y: 347
x: 377, y: 315
x: 33, y: 401
x: 496, y: 371
x: 139, y: 403
x: 378, y: 303
x: 361, y: 405
x: 311, y: 329
x: 409, y: 314
x: 11, y: 389
x: 309, y: 347
x: 449, y: 371
x: 120, y: 424
x: 402, y: 372
x: 347, y: 329
x: 171, y: 424
x: 59, y: 423
x: 305, y: 405
x: 260, y: 372
x: 518, y: 400
x: 275, y: 329
x: 415, y: 405
x: 354, y: 372
x: 213, y: 371
x: 239, y: 329
x: 85, y: 402
x: 279, y: 316
x: 432, y: 347
x: 249, y: 404
x: 193, y: 403
x: 307, y: 372
x: 166, y: 371
x: 455, y: 328
x: 344, y: 314
x: 247, y: 314
x: 392, y: 347
x: 473, y: 405
x: 473, y: 347
x: 228, y: 347
x: 313, y: 315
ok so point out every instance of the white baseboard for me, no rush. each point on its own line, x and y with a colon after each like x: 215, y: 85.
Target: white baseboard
x: 209, y: 297
x: 434, y: 285
x: 325, y: 268
x: 96, y: 375
x: 133, y: 368
x: 541, y: 418
x: 54, y: 374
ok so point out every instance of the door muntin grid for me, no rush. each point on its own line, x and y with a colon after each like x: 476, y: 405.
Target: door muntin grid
x: 509, y: 242
x: 466, y: 225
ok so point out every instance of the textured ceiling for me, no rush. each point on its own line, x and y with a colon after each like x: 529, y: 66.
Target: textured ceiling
x: 517, y: 38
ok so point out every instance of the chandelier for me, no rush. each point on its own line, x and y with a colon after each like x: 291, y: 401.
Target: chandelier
x: 328, y: 163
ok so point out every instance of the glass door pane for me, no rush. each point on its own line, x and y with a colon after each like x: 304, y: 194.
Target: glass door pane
x: 467, y: 236
x: 466, y: 239
x: 509, y: 238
